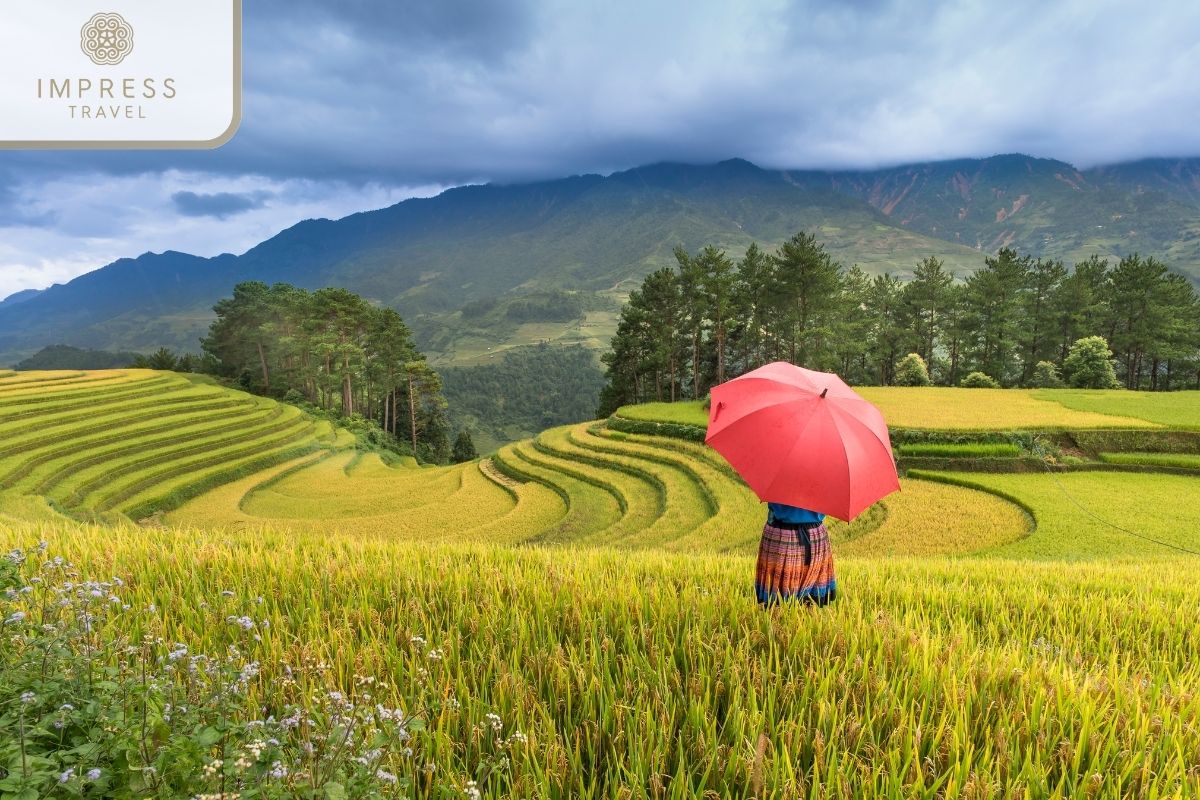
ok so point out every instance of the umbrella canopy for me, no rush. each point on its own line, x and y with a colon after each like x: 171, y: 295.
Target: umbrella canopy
x: 803, y: 438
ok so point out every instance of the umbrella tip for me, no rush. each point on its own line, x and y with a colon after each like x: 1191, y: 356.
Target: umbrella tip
x: 825, y: 391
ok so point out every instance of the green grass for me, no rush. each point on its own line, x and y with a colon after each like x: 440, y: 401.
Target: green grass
x: 964, y: 450
x: 20, y: 407
x: 106, y: 473
x: 40, y: 462
x: 1182, y: 460
x: 646, y: 504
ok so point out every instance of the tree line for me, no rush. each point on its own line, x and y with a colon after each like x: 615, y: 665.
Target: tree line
x: 528, y: 390
x: 709, y: 318
x: 334, y: 350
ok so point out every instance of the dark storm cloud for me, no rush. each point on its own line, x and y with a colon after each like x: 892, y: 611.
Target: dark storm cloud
x: 462, y: 90
x: 373, y: 96
x: 477, y: 30
x: 219, y: 205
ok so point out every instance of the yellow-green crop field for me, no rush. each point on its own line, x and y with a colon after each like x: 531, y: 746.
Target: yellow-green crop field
x: 992, y: 638
x: 954, y: 409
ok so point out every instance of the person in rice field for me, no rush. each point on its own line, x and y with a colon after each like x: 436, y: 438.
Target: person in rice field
x: 795, y: 560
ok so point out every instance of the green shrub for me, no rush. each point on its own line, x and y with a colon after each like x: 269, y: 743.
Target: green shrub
x: 1045, y: 376
x: 912, y: 371
x: 979, y: 380
x: 1089, y: 365
x: 909, y: 436
x: 675, y: 430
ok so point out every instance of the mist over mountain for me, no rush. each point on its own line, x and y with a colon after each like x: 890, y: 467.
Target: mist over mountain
x: 598, y: 235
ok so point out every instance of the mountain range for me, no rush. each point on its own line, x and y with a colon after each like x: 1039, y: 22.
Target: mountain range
x: 598, y: 235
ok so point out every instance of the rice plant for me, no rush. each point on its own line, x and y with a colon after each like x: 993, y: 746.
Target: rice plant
x: 656, y: 674
x: 946, y: 408
x: 1178, y: 460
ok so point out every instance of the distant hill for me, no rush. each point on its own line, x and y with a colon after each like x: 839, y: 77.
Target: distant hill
x: 20, y: 297
x: 61, y: 356
x: 596, y: 236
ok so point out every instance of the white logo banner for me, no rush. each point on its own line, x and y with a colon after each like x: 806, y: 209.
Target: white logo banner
x: 120, y: 73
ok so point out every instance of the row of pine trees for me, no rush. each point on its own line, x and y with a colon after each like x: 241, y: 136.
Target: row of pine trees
x: 334, y: 350
x: 709, y: 318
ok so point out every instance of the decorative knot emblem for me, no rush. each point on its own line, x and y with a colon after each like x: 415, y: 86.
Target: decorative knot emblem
x: 107, y: 39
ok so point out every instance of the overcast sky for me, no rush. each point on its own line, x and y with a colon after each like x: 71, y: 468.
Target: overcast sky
x: 361, y: 103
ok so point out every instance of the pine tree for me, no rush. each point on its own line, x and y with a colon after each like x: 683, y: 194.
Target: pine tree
x: 995, y: 312
x: 464, y: 448
x: 1038, y: 339
x: 753, y: 292
x: 887, y: 325
x: 928, y: 298
x: 1079, y: 304
x: 806, y: 282
x: 718, y: 281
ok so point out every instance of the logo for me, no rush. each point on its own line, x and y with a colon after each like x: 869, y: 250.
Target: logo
x: 141, y: 85
x: 107, y: 39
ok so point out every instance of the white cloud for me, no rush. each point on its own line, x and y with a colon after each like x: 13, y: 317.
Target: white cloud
x: 99, y: 218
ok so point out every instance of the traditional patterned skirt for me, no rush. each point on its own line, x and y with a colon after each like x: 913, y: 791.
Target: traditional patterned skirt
x: 795, y: 564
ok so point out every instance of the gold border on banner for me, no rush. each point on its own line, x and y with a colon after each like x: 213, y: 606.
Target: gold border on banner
x: 152, y: 144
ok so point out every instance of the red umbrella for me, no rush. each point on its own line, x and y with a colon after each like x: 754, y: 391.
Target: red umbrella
x: 803, y: 438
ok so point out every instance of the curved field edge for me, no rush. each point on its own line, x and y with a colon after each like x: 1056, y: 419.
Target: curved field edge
x: 359, y: 494
x: 557, y: 501
x: 1094, y: 515
x: 980, y: 410
x: 927, y: 676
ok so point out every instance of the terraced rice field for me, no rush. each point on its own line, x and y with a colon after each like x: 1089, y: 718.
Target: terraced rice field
x: 1076, y: 514
x: 583, y: 485
x: 1174, y: 409
x: 952, y: 409
x: 132, y: 442
x: 357, y: 494
x: 593, y: 589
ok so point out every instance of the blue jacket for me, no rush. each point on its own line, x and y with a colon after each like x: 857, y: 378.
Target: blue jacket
x: 778, y: 512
